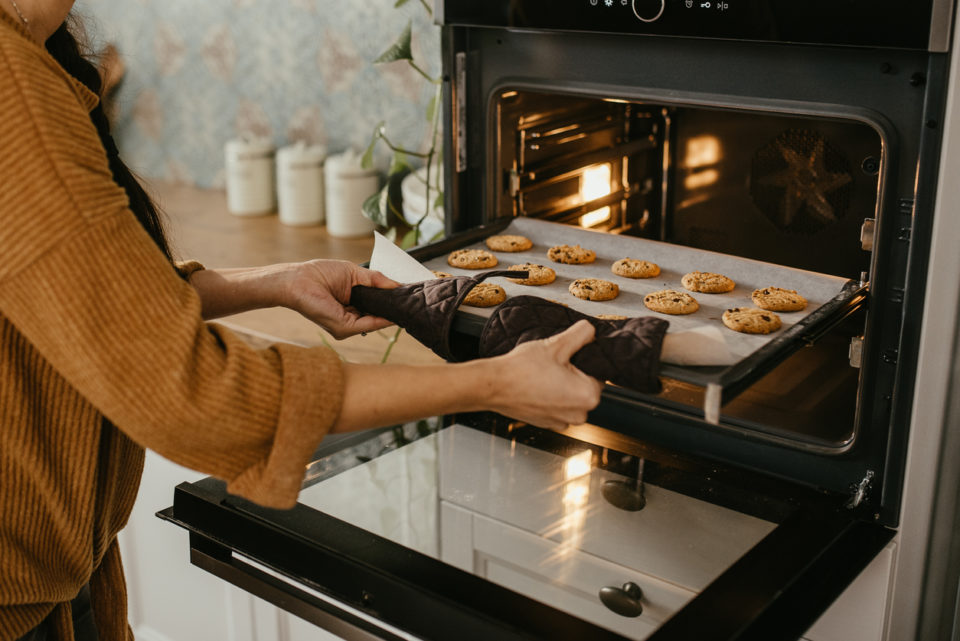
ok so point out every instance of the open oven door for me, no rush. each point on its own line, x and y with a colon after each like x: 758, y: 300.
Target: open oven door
x: 485, y: 530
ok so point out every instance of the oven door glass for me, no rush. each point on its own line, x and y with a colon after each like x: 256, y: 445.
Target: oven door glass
x: 506, y: 531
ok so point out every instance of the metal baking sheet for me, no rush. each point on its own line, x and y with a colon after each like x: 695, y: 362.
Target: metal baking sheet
x: 826, y: 295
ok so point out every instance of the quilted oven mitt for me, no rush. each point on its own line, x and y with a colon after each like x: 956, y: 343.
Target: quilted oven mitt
x: 624, y: 352
x: 425, y: 309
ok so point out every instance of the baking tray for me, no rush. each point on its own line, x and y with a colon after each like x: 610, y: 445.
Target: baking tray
x: 830, y: 298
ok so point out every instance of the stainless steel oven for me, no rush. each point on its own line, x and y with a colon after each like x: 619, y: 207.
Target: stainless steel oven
x: 744, y: 498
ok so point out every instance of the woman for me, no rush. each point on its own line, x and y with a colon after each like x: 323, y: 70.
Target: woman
x: 104, y: 352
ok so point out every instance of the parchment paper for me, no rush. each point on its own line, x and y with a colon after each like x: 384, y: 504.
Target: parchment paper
x: 711, y: 343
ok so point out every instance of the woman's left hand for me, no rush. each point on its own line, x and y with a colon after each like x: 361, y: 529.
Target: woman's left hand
x: 320, y: 290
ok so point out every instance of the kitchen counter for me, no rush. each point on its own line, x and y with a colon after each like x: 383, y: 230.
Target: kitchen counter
x: 200, y: 228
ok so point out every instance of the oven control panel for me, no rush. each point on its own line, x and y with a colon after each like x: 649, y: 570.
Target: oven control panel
x: 864, y: 23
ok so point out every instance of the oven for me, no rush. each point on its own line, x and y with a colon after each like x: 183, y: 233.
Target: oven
x: 798, y: 141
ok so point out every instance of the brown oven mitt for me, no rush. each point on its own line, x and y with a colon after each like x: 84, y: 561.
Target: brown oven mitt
x: 426, y: 309
x: 624, y: 352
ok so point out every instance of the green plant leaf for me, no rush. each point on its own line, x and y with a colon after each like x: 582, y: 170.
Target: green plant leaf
x: 409, y: 239
x: 438, y: 201
x: 399, y: 50
x: 375, y: 207
x: 399, y: 163
x: 366, y: 161
x: 400, y: 3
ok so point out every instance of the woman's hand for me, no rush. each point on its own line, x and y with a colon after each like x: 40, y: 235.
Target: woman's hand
x: 534, y: 382
x: 539, y: 385
x: 320, y: 290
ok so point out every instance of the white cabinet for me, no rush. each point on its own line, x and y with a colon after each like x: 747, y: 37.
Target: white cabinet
x: 524, y: 563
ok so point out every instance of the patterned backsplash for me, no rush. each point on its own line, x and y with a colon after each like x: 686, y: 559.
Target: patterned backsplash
x: 199, y: 73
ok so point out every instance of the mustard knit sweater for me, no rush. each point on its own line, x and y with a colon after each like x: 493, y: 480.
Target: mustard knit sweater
x: 103, y: 352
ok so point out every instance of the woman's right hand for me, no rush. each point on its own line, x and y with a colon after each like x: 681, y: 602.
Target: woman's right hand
x: 536, y: 383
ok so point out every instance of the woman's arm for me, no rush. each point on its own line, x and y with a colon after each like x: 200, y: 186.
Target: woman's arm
x: 318, y: 289
x: 535, y: 383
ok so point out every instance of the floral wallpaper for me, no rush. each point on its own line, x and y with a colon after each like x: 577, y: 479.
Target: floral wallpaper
x: 201, y: 73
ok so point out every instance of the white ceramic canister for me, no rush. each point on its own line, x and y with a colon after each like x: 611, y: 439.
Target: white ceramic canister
x: 251, y: 189
x: 347, y: 185
x: 300, y: 184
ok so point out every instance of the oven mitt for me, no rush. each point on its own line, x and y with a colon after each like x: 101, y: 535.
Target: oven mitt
x: 425, y: 309
x: 624, y: 352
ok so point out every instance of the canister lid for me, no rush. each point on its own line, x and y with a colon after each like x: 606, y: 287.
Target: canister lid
x: 347, y: 164
x: 301, y: 153
x: 253, y: 147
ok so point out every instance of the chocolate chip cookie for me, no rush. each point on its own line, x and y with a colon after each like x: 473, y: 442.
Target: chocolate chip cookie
x: 440, y: 274
x: 670, y: 301
x: 778, y: 300
x: 594, y: 289
x: 612, y: 317
x: 472, y: 259
x: 707, y: 282
x: 509, y: 243
x: 571, y: 254
x: 536, y: 274
x: 750, y: 320
x: 485, y: 295
x: 635, y: 268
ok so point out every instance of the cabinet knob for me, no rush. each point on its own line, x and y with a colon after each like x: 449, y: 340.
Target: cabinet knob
x: 625, y: 600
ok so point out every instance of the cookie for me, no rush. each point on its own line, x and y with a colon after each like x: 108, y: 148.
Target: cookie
x: 537, y: 274
x: 472, y: 259
x: 594, y: 289
x: 509, y: 243
x: 612, y: 316
x: 571, y: 254
x: 750, y: 320
x: 707, y: 282
x: 439, y: 274
x: 778, y: 300
x: 670, y: 301
x: 485, y: 295
x: 634, y: 268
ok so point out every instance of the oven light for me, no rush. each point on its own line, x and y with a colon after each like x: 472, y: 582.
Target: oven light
x: 595, y: 183
x: 702, y: 151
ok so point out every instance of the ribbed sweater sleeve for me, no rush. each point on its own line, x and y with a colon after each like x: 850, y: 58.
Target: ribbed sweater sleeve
x: 84, y: 283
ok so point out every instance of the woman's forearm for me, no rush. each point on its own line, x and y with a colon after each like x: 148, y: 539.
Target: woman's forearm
x: 230, y: 291
x: 380, y: 395
x: 535, y: 382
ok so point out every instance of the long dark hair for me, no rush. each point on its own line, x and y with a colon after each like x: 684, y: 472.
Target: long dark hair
x: 65, y: 47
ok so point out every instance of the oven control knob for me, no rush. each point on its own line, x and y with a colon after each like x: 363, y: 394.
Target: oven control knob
x: 648, y: 10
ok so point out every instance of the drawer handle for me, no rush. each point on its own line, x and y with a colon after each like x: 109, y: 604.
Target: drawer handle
x: 624, y: 601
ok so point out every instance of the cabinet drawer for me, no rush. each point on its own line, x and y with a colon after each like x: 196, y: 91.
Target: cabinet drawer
x: 560, y: 575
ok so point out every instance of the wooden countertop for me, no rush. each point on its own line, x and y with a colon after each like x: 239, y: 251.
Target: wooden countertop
x: 200, y: 227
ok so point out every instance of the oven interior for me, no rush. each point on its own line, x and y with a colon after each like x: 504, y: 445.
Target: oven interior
x: 794, y: 190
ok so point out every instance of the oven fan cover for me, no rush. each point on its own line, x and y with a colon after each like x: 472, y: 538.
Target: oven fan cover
x: 801, y: 182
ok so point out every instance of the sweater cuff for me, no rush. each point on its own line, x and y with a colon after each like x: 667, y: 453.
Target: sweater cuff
x: 308, y: 409
x: 185, y: 268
